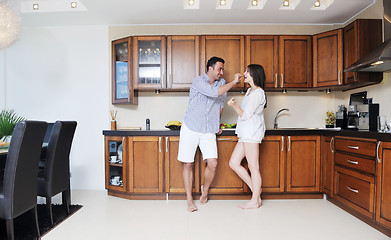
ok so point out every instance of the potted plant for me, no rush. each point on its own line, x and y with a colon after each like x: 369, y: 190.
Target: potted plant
x: 8, y: 121
x: 330, y: 119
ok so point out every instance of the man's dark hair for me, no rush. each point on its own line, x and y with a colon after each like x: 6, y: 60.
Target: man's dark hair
x: 212, y: 61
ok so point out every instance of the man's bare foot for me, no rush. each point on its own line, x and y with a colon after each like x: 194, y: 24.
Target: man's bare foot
x: 204, y: 196
x: 250, y: 205
x: 191, y: 207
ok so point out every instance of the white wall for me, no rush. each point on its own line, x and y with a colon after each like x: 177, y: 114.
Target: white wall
x: 62, y: 73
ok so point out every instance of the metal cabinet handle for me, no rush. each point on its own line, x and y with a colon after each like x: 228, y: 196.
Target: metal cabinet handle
x: 160, y: 144
x: 353, y: 190
x: 289, y: 143
x: 331, y: 144
x: 224, y: 139
x: 275, y: 85
x: 353, y: 147
x: 166, y: 144
x: 352, y: 162
x: 377, y: 151
x: 282, y: 80
x: 339, y: 77
x: 282, y: 145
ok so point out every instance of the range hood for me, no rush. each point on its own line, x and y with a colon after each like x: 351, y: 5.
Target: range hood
x: 379, y: 60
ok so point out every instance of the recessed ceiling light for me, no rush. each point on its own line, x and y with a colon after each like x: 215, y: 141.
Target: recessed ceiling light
x: 73, y: 4
x: 222, y: 2
x: 191, y: 2
x: 254, y: 2
x: 285, y: 3
x: 317, y: 4
x: 35, y: 6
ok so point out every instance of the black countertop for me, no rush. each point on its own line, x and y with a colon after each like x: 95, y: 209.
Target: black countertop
x: 290, y: 132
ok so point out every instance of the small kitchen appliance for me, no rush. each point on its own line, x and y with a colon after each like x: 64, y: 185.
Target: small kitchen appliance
x: 353, y: 113
x: 368, y: 116
x: 342, y: 117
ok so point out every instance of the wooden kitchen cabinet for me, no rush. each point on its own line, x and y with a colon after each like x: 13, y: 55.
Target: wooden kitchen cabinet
x: 263, y: 50
x: 328, y: 58
x: 173, y: 168
x: 303, y: 164
x: 383, y: 185
x: 146, y: 165
x: 230, y: 48
x: 149, y: 62
x: 115, y: 146
x: 183, y: 61
x: 327, y: 156
x: 295, y: 62
x: 360, y: 37
x: 122, y: 90
x: 226, y: 181
x: 272, y: 163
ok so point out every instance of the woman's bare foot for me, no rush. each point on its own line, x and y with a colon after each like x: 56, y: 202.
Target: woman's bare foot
x: 250, y: 205
x: 191, y: 207
x: 204, y: 197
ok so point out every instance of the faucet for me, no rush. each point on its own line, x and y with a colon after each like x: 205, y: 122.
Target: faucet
x: 275, y: 118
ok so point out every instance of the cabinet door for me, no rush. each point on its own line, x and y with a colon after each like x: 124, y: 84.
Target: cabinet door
x: 149, y: 62
x: 230, y: 48
x: 173, y: 168
x: 226, y: 181
x: 303, y: 164
x: 145, y: 164
x: 263, y: 50
x: 272, y: 163
x: 357, y: 44
x: 183, y: 62
x: 121, y: 82
x: 328, y: 58
x: 383, y: 206
x: 295, y: 59
x: 328, y: 165
x: 116, y: 163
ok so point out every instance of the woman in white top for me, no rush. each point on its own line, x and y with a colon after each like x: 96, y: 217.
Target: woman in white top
x: 250, y: 129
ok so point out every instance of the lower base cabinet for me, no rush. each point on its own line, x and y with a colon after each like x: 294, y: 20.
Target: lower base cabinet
x: 383, y: 204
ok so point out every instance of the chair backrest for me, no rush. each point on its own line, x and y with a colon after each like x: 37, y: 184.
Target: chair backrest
x: 57, y: 156
x: 21, y: 169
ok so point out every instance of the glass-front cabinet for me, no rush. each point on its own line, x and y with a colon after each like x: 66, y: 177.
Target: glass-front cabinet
x: 122, y: 86
x: 149, y: 65
x: 116, y: 163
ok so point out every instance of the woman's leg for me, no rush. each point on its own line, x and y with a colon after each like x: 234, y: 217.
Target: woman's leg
x: 235, y: 164
x: 251, y: 151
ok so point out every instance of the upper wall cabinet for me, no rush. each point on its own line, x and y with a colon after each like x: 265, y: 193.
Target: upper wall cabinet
x: 360, y: 37
x: 230, y: 48
x: 328, y: 58
x: 149, y: 62
x: 183, y: 61
x: 263, y: 50
x: 295, y: 62
x: 122, y: 88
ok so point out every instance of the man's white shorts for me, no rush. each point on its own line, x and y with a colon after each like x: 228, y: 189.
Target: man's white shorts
x: 190, y: 140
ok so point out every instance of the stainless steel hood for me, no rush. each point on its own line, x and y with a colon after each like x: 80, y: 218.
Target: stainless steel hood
x: 379, y: 60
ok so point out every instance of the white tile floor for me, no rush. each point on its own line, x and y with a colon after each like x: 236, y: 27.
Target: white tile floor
x: 105, y: 217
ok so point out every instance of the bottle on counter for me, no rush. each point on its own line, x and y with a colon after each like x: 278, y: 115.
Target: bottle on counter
x: 147, y: 125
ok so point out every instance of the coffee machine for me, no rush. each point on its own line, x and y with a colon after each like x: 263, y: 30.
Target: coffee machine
x: 368, y: 116
x: 353, y: 116
x: 341, y: 117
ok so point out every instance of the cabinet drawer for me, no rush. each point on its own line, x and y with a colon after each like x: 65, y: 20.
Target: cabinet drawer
x: 355, y: 190
x: 358, y: 163
x: 357, y: 146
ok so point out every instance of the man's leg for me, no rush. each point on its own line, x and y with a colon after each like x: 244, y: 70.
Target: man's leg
x: 210, y: 172
x: 188, y: 183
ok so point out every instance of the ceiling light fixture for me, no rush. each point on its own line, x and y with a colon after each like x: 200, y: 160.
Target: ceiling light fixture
x: 73, y: 4
x: 222, y: 2
x: 10, y: 25
x: 317, y: 3
x: 285, y: 3
x: 254, y: 2
x: 35, y: 6
x: 191, y: 2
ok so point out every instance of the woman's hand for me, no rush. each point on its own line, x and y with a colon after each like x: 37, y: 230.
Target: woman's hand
x: 232, y: 102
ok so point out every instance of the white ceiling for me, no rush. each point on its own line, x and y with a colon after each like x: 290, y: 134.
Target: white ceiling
x: 136, y: 12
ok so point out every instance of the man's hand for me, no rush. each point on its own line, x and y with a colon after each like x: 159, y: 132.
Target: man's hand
x: 220, y: 131
x: 237, y: 77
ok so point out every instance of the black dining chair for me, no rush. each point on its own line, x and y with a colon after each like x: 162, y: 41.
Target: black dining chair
x: 54, y: 176
x: 18, y: 192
